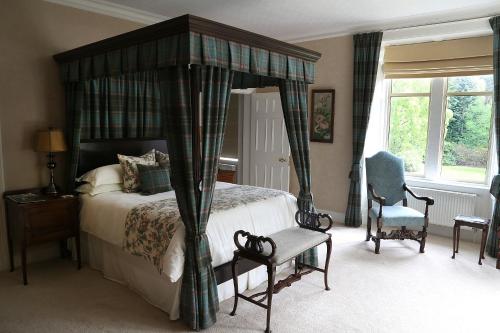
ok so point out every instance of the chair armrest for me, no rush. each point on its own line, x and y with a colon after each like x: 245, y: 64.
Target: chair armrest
x: 310, y: 220
x: 428, y: 200
x: 254, y: 244
x: 376, y: 197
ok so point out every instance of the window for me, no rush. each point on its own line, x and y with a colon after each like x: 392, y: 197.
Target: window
x: 441, y: 127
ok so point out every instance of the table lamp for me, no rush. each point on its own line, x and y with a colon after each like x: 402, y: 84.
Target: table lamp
x: 50, y: 141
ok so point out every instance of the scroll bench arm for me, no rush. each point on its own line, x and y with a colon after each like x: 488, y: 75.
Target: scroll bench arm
x: 312, y: 221
x: 377, y: 198
x: 254, y: 245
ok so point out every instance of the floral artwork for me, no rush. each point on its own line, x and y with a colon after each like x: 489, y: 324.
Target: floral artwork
x: 322, y: 104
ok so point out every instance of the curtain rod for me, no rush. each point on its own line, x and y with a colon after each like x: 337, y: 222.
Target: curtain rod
x: 439, y: 23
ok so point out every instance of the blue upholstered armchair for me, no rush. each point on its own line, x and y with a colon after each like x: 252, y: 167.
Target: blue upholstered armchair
x: 386, y: 186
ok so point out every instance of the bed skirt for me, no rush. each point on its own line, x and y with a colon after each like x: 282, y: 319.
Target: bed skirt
x: 144, y: 279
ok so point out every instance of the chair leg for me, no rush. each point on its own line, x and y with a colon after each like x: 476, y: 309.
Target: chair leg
x: 271, y: 274
x: 234, y: 268
x: 377, y: 240
x: 368, y: 229
x: 422, y: 242
x: 327, y: 262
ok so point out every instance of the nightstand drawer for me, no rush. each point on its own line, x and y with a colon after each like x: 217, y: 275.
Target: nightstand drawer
x: 46, y: 222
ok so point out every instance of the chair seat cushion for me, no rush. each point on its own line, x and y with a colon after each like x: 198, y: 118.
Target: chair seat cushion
x: 293, y: 241
x: 399, y: 216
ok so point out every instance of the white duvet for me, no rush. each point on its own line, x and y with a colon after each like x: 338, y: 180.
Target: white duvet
x: 104, y: 216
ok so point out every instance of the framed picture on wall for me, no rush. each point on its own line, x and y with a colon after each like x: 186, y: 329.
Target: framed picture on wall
x: 322, y: 115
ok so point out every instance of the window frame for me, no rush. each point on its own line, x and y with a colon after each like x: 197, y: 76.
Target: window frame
x: 438, y: 99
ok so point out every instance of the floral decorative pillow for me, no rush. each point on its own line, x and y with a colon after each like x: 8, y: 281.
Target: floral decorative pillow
x: 131, y: 182
x: 162, y: 159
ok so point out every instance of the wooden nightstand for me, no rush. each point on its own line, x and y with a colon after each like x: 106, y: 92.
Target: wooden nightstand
x: 53, y: 218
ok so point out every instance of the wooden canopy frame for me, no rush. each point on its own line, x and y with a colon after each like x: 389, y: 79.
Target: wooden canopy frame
x: 185, y: 24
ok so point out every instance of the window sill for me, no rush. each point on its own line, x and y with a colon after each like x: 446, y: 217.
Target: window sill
x: 446, y: 185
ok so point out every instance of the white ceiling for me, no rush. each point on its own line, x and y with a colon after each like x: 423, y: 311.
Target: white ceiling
x: 294, y: 20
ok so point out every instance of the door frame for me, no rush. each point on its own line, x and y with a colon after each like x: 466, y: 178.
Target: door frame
x: 4, y: 260
x: 244, y: 127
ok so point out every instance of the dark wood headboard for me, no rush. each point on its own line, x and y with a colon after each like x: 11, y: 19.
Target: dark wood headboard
x: 96, y: 153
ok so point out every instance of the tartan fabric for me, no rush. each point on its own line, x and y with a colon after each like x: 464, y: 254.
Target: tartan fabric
x: 294, y: 102
x: 125, y: 106
x: 199, y: 299
x: 153, y: 179
x: 73, y: 93
x: 366, y: 55
x: 492, y: 243
x: 189, y: 48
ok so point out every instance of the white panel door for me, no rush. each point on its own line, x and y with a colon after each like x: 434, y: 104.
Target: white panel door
x: 269, y: 148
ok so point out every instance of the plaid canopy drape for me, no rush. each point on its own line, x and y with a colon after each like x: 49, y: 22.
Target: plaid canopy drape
x: 199, y: 301
x: 294, y: 103
x: 123, y: 106
x: 366, y: 55
x: 492, y: 244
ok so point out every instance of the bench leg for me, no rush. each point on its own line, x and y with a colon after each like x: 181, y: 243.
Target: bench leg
x: 271, y: 274
x: 234, y: 268
x: 454, y: 241
x: 483, y: 245
x: 327, y: 262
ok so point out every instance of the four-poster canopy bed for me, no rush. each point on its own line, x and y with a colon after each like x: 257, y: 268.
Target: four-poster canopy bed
x: 171, y: 82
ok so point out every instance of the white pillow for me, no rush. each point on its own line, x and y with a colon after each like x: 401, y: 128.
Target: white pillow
x: 91, y: 190
x: 105, y: 175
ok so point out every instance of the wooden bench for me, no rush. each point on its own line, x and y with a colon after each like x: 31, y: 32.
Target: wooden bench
x: 279, y: 248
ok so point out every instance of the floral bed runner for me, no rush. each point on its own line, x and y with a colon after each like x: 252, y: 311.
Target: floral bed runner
x: 150, y: 227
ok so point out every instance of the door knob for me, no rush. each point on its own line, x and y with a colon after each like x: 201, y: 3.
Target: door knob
x: 282, y: 160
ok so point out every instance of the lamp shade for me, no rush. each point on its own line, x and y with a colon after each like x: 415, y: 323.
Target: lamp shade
x: 50, y: 141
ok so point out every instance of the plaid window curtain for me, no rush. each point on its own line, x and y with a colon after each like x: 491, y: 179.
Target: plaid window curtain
x: 492, y: 244
x: 366, y: 55
x: 123, y: 106
x: 294, y: 102
x: 199, y: 299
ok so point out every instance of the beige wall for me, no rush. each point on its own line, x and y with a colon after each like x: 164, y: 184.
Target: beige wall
x: 330, y: 163
x: 31, y: 95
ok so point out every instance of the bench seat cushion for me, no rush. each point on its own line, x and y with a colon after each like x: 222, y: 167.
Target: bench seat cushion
x: 293, y: 241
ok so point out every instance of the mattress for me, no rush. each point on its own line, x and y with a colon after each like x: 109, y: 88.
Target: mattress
x: 103, y: 216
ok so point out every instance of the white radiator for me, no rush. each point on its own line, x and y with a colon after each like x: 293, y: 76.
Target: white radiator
x: 447, y: 204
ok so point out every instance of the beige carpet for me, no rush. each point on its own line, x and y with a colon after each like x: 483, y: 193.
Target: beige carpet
x: 396, y: 291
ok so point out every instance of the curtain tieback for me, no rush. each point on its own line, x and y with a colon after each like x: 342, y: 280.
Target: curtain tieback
x: 355, y: 173
x: 203, y: 257
x: 303, y: 195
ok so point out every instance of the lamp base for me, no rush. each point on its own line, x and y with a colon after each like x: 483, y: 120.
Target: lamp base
x: 51, y: 189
